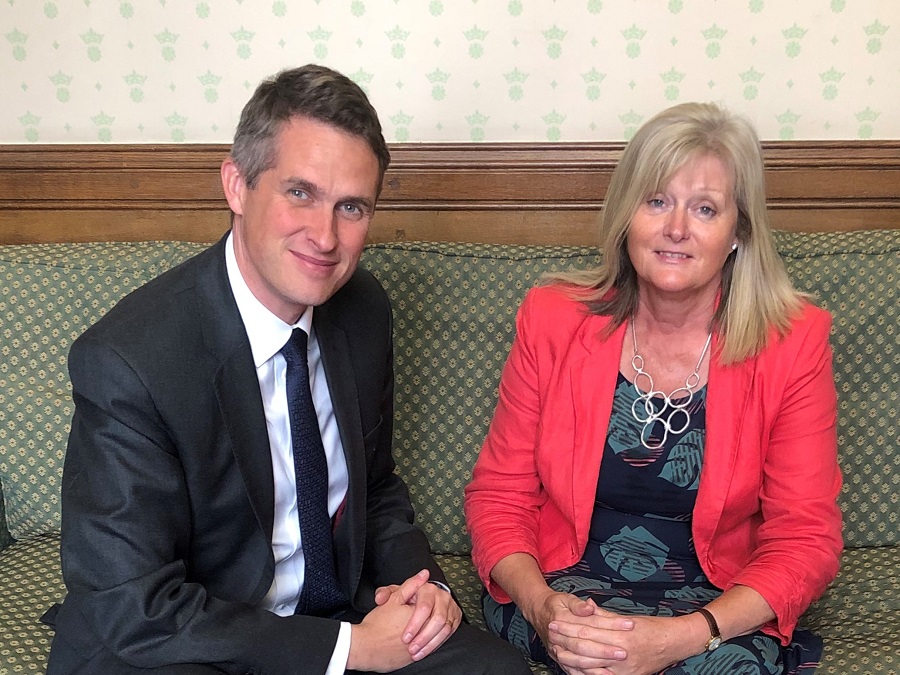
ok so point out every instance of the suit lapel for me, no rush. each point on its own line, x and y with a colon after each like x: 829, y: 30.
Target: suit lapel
x: 236, y: 385
x: 349, y: 533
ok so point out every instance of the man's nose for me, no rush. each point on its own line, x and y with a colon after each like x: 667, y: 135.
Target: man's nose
x: 321, y: 227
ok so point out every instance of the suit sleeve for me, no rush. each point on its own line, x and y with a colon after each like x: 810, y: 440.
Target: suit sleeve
x: 125, y: 532
x: 799, y: 537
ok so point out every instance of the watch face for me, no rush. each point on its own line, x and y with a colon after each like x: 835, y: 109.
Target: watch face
x: 713, y: 643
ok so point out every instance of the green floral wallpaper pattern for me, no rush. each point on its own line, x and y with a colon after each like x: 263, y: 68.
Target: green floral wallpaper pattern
x: 132, y: 71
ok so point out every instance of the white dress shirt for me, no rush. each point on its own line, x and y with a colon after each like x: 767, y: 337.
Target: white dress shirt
x: 268, y: 334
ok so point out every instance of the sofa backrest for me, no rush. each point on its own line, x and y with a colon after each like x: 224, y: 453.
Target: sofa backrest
x: 454, y: 309
x: 454, y: 320
x: 49, y: 294
x: 856, y: 277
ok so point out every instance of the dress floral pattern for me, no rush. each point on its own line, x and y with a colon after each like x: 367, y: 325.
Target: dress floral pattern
x: 640, y: 558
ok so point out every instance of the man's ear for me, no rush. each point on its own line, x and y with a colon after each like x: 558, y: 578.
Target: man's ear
x: 234, y: 186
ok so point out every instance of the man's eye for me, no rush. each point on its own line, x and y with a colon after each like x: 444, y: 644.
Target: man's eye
x: 298, y: 193
x: 351, y: 209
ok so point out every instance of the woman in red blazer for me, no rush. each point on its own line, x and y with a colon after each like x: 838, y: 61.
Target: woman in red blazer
x: 658, y: 488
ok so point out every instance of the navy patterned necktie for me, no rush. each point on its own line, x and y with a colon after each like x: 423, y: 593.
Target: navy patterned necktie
x: 321, y: 594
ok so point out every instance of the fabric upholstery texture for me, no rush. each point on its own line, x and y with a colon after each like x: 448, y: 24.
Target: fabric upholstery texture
x: 856, y: 277
x: 30, y: 582
x: 454, y: 308
x: 454, y: 319
x: 49, y: 295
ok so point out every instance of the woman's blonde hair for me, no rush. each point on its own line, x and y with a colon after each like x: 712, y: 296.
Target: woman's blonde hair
x: 756, y: 291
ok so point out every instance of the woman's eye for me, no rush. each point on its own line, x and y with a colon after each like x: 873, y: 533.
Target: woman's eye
x: 655, y: 202
x: 707, y: 211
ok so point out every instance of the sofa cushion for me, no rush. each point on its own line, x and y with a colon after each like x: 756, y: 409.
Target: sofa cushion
x: 856, y: 277
x: 49, y: 294
x: 30, y: 582
x: 860, y: 613
x: 454, y: 311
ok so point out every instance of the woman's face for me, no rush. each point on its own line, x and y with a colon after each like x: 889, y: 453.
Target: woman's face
x: 680, y: 237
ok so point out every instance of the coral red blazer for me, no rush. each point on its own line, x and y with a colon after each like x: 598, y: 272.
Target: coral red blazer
x: 766, y: 514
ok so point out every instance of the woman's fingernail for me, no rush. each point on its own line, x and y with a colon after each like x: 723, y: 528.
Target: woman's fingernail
x: 619, y: 654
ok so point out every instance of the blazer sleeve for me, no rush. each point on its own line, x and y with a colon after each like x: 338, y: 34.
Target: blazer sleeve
x: 799, y: 536
x: 504, y: 498
x: 126, y: 524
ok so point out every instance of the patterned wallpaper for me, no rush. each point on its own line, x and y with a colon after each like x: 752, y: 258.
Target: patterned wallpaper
x: 141, y: 71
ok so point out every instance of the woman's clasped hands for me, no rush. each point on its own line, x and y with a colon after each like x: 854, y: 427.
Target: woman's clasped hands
x: 587, y: 640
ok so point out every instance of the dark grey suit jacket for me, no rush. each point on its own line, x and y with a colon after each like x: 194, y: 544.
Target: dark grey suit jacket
x: 167, y: 495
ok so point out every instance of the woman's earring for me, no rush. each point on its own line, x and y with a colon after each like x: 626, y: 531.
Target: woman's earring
x: 734, y: 247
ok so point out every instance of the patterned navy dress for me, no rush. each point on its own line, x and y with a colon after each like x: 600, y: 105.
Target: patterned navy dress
x: 640, y: 558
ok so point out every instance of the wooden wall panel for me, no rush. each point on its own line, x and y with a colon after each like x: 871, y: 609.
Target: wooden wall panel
x: 528, y: 193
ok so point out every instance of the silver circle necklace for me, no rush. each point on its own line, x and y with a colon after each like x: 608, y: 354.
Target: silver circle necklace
x: 643, y: 410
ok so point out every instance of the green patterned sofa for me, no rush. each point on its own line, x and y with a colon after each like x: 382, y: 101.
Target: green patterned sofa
x: 454, y: 307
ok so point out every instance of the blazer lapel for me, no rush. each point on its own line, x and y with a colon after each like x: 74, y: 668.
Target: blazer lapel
x: 594, y: 372
x: 236, y: 385
x: 728, y: 396
x: 349, y: 533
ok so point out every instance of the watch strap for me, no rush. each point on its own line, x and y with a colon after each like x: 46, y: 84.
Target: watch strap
x: 715, y: 636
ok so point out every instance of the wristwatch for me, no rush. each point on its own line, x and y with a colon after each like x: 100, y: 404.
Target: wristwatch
x: 715, y: 637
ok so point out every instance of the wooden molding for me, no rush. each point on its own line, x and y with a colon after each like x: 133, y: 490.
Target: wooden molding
x: 508, y: 192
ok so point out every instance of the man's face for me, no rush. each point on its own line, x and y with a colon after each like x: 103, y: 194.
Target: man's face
x: 299, y: 232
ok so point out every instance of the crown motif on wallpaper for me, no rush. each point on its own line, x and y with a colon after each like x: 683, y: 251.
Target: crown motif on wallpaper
x: 672, y: 76
x: 401, y: 119
x: 167, y: 37
x: 135, y: 79
x: 554, y: 117
x: 593, y: 75
x: 477, y: 119
x: 875, y: 29
x: 867, y: 115
x: 176, y: 120
x: 29, y: 119
x: 361, y: 76
x: 16, y: 37
x: 475, y: 33
x: 794, y: 32
x: 92, y: 37
x: 319, y: 34
x: 631, y: 117
x: 714, y: 33
x: 831, y: 75
x: 515, y: 76
x: 633, y: 32
x: 787, y: 117
x: 209, y: 79
x: 554, y: 33
x: 751, y: 75
x: 438, y: 76
x: 101, y: 119
x: 242, y: 35
x: 61, y: 79
x: 397, y: 33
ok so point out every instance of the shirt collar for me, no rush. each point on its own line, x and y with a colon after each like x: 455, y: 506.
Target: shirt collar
x: 266, y: 332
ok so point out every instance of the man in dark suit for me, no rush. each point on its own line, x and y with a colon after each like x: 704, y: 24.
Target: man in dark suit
x: 194, y: 486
